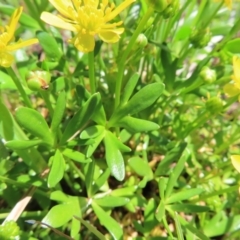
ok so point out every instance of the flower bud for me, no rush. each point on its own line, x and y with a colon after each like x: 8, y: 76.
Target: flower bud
x: 171, y: 9
x: 141, y: 41
x: 214, y: 105
x: 149, y: 23
x: 158, y: 5
x: 200, y: 37
x: 38, y: 80
x: 208, y: 75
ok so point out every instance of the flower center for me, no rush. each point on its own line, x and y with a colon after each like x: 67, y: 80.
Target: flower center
x: 89, y: 19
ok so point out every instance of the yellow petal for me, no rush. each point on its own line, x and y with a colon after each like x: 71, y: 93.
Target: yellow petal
x: 6, y: 59
x: 13, y: 23
x: 111, y: 36
x: 57, y: 22
x: 236, y: 162
x: 21, y: 44
x: 84, y: 42
x: 231, y: 89
x: 118, y: 9
x: 236, y: 70
x: 62, y: 6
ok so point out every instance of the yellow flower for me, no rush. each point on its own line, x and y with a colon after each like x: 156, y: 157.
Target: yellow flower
x: 7, y: 35
x: 236, y: 162
x: 228, y: 3
x: 233, y: 89
x: 87, y: 18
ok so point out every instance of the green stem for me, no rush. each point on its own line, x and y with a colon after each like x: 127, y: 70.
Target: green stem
x: 19, y: 86
x: 122, y: 62
x: 212, y: 15
x: 27, y: 214
x: 45, y: 95
x: 73, y: 166
x: 91, y: 72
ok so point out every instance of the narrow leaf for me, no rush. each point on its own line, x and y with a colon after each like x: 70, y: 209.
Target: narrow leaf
x: 111, y: 201
x: 183, y: 195
x: 135, y: 125
x: 108, y: 222
x: 81, y: 117
x: 34, y: 122
x: 141, y: 100
x: 75, y: 155
x: 58, y: 112
x: 128, y: 89
x: 49, y: 45
x: 114, y: 157
x: 22, y: 144
x: 57, y: 169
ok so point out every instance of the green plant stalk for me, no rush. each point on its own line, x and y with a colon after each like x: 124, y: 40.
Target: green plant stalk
x: 213, y: 15
x: 121, y: 65
x: 45, y: 95
x: 19, y: 86
x: 73, y: 166
x: 165, y: 223
x: 27, y: 214
x: 200, y: 11
x: 91, y: 72
x: 33, y: 11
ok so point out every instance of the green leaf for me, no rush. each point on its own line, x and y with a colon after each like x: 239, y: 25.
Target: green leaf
x: 188, y: 208
x: 59, y: 196
x: 92, y: 132
x: 124, y: 191
x: 183, y: 195
x: 49, y: 45
x: 160, y: 212
x: 169, y: 66
x: 141, y: 167
x: 108, y: 222
x: 172, y: 155
x: 22, y: 144
x: 98, y: 183
x: 91, y: 228
x: 141, y: 100
x: 128, y: 89
x: 190, y: 227
x: 34, y: 122
x: 114, y: 156
x: 58, y: 215
x: 6, y: 81
x: 57, y: 169
x: 25, y: 19
x: 233, y: 46
x: 178, y: 227
x: 135, y: 125
x: 92, y: 147
x: 82, y: 116
x: 58, y: 113
x: 62, y: 213
x: 149, y: 218
x: 75, y: 155
x: 176, y: 173
x: 111, y: 201
x: 99, y: 115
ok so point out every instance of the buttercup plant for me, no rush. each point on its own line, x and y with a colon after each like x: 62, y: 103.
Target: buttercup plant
x: 120, y: 119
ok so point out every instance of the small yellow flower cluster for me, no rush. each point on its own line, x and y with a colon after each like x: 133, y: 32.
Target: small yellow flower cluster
x: 232, y: 89
x: 6, y: 37
x: 87, y: 19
